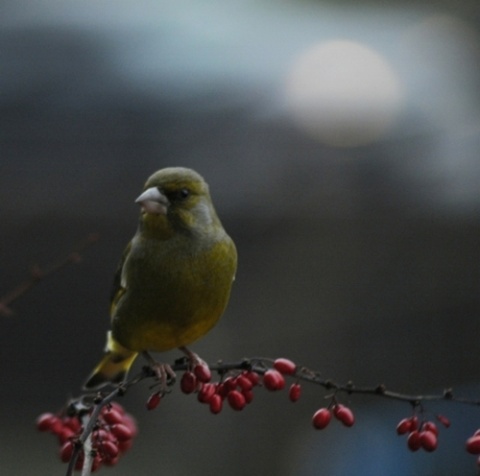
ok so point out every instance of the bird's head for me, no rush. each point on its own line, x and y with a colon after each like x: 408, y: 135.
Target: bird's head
x: 177, y: 198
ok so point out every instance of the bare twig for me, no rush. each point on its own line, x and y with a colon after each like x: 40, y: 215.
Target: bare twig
x: 37, y: 274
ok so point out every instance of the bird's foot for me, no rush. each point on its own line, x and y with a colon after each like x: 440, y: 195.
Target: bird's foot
x: 163, y: 373
x: 193, y: 358
x: 199, y: 366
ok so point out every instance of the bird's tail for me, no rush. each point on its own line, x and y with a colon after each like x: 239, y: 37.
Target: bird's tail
x: 114, y: 366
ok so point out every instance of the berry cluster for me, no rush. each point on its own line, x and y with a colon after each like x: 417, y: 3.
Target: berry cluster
x: 321, y: 418
x: 421, y: 434
x: 114, y: 429
x: 235, y: 388
x: 112, y: 435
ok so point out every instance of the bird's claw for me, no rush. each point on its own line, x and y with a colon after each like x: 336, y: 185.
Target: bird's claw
x: 163, y: 373
x: 193, y: 358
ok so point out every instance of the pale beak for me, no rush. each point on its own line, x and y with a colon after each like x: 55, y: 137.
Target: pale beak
x: 153, y: 201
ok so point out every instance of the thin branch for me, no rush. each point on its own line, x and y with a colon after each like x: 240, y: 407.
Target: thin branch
x: 89, y: 427
x: 87, y: 450
x: 258, y: 365
x: 37, y: 274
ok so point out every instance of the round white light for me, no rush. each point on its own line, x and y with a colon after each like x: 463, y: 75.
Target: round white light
x: 343, y: 93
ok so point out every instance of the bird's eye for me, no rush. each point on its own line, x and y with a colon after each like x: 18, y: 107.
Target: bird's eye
x: 184, y: 193
x: 179, y: 195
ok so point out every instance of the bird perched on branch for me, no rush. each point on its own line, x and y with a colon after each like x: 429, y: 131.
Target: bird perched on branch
x: 173, y: 282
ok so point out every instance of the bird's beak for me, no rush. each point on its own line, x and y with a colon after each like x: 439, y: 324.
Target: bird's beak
x: 153, y: 201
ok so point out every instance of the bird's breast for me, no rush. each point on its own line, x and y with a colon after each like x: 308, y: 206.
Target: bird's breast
x: 175, y: 292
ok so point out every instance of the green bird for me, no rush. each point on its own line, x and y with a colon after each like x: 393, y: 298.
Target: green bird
x: 174, y: 280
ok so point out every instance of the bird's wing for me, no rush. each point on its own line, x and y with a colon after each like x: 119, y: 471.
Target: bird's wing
x: 119, y: 287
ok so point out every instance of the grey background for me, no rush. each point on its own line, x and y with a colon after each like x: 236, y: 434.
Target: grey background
x: 360, y: 262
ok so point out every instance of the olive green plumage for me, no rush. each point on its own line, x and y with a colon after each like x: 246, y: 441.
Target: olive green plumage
x: 174, y: 280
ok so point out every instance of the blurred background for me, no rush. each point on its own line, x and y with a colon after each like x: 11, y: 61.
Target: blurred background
x: 340, y: 141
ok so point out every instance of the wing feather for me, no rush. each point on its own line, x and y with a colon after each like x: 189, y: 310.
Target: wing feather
x: 119, y: 287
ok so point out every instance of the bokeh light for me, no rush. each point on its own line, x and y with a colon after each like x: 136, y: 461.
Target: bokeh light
x: 343, y: 93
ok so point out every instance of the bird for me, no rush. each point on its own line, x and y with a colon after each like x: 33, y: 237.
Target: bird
x: 174, y: 280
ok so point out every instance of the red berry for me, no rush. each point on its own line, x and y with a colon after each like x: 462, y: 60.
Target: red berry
x: 248, y: 394
x: 216, y: 404
x: 430, y: 426
x: 202, y: 372
x: 65, y: 434
x: 97, y: 463
x: 230, y: 383
x: 337, y: 407
x: 73, y: 423
x: 404, y: 426
x: 57, y: 427
x: 273, y: 380
x: 117, y: 407
x: 188, y: 382
x: 414, y: 422
x: 152, y: 402
x: 46, y: 421
x: 244, y: 383
x: 321, y: 418
x: 252, y: 376
x: 79, y: 463
x: 285, y: 366
x: 473, y: 445
x: 236, y: 400
x: 66, y: 451
x: 344, y: 415
x: 102, y: 435
x: 294, y: 392
x: 124, y: 446
x: 428, y: 440
x: 414, y: 441
x: 206, y: 392
x: 112, y: 416
x: 221, y: 390
x: 109, y: 449
x: 443, y: 420
x: 96, y: 439
x: 122, y: 432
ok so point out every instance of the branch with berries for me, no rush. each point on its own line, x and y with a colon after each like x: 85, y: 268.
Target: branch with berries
x: 94, y: 430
